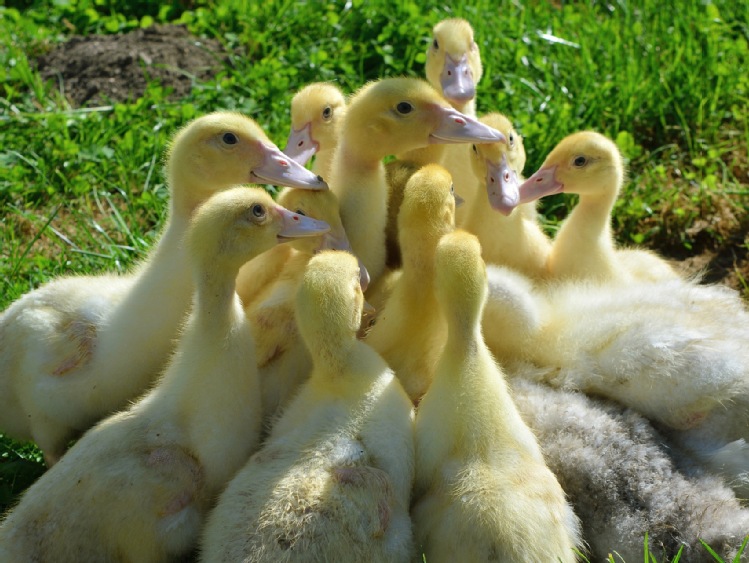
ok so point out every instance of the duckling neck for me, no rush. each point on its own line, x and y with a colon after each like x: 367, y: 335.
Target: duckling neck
x: 431, y: 154
x: 214, y: 307
x: 323, y: 162
x: 332, y: 355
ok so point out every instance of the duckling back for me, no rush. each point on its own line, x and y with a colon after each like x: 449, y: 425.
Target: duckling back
x: 333, y: 480
x: 483, y: 491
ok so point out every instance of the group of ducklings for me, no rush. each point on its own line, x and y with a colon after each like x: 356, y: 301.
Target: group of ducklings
x: 278, y: 420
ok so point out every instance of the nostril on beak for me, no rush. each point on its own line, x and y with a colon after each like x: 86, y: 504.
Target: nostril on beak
x: 319, y: 179
x: 300, y: 143
x: 460, y: 121
x: 283, y: 163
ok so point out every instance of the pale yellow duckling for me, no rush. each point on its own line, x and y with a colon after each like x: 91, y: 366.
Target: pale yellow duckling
x: 454, y: 68
x: 317, y: 111
x: 283, y: 359
x: 509, y: 236
x: 589, y: 164
x: 483, y: 491
x: 79, y: 348
x: 316, y: 114
x: 333, y: 480
x: 410, y: 331
x: 391, y: 116
x: 137, y: 486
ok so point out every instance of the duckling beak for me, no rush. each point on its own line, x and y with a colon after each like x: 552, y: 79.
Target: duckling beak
x: 458, y: 200
x: 368, y: 311
x: 341, y: 242
x: 279, y: 169
x: 294, y: 225
x: 541, y: 184
x: 300, y: 146
x: 457, y: 80
x: 455, y: 127
x: 502, y: 186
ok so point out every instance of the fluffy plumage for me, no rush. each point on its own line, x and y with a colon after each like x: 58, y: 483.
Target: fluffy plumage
x: 333, y: 480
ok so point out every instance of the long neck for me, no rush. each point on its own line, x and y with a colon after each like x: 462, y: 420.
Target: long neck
x: 331, y: 353
x: 215, y: 295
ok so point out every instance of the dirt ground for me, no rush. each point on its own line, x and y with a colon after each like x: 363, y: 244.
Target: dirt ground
x: 101, y: 69
x: 96, y: 70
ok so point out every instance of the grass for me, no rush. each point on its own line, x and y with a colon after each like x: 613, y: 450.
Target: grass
x: 82, y: 190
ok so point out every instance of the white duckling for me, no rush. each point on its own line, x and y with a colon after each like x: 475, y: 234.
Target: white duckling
x: 509, y: 235
x: 454, y: 68
x: 78, y: 348
x: 137, y: 486
x: 317, y: 111
x: 672, y: 350
x: 617, y: 473
x: 391, y: 116
x: 283, y: 359
x: 332, y: 482
x: 410, y: 331
x: 589, y: 164
x: 482, y: 490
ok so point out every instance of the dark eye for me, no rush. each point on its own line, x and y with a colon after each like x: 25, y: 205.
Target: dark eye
x: 580, y: 161
x: 300, y: 212
x: 229, y: 138
x: 452, y: 189
x: 512, y: 139
x: 404, y: 108
x: 327, y: 113
x: 258, y: 211
x: 435, y: 44
x: 475, y: 149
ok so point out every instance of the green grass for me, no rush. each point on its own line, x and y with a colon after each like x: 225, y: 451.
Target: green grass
x: 83, y: 190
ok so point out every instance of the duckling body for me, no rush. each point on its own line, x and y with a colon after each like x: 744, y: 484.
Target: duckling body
x: 333, y: 480
x: 454, y: 68
x: 138, y: 485
x: 590, y: 165
x: 483, y: 491
x: 391, y: 116
x: 617, y: 474
x: 509, y: 235
x: 410, y: 330
x: 79, y: 348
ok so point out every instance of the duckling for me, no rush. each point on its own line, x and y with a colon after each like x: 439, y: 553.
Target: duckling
x: 138, y: 485
x: 589, y: 164
x: 508, y: 236
x: 332, y: 482
x: 482, y: 490
x: 672, y: 350
x: 316, y: 114
x: 78, y: 348
x: 454, y: 68
x: 283, y: 359
x: 619, y: 476
x: 410, y: 331
x: 390, y: 116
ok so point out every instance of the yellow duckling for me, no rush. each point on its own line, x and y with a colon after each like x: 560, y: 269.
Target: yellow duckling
x: 589, y: 164
x: 78, y: 348
x: 508, y: 236
x: 454, y: 68
x: 317, y: 111
x: 391, y: 116
x: 410, y: 331
x: 333, y: 480
x: 283, y: 359
x: 138, y: 485
x: 483, y: 491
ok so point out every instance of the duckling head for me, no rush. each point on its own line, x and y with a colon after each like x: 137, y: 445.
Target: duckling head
x: 236, y: 225
x: 316, y: 113
x: 223, y: 149
x: 453, y: 61
x: 428, y: 208
x: 499, y: 165
x: 397, y: 115
x: 329, y: 302
x: 322, y: 205
x: 585, y: 163
x: 460, y: 279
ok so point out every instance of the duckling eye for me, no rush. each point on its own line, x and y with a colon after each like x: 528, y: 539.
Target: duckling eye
x: 512, y: 139
x: 475, y: 149
x: 404, y: 108
x: 452, y: 189
x: 327, y: 113
x: 580, y: 161
x: 300, y: 212
x: 229, y: 138
x: 258, y: 211
x: 436, y: 45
